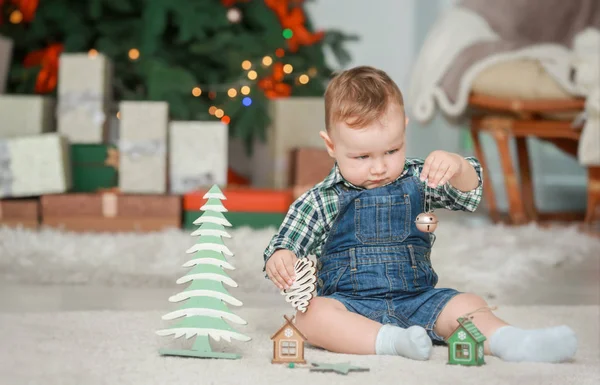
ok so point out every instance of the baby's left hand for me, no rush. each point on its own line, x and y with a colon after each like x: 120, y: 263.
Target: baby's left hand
x: 440, y: 166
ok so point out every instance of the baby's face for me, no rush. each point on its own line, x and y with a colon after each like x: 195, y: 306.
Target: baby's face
x: 374, y: 155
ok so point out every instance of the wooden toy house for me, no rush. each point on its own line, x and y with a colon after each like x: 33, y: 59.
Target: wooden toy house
x: 288, y: 344
x: 465, y: 344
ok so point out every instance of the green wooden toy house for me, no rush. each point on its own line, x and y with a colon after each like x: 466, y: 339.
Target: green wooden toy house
x: 465, y: 344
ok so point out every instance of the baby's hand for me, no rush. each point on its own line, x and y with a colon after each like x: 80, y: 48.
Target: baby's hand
x: 280, y: 268
x: 440, y: 167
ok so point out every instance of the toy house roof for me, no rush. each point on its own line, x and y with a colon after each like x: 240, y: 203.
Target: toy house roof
x: 288, y: 322
x: 470, y: 328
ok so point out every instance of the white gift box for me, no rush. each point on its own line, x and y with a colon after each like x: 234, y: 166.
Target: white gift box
x: 295, y: 122
x: 26, y: 115
x: 84, y: 97
x: 197, y: 155
x: 34, y: 165
x: 143, y: 147
x: 6, y: 46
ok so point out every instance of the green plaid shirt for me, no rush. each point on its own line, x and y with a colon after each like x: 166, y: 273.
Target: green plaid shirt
x: 307, y: 223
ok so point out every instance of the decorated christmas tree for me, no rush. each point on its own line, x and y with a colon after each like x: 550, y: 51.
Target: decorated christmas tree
x: 209, y: 59
x: 204, y: 309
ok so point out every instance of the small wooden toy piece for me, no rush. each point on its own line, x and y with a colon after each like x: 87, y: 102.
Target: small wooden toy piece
x: 341, y: 368
x: 205, y: 312
x: 427, y: 221
x: 288, y: 344
x: 303, y: 288
x: 465, y: 344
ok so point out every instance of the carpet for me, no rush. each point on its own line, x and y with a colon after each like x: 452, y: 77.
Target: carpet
x: 483, y: 258
x: 112, y: 347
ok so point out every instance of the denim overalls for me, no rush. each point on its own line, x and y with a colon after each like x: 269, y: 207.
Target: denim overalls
x: 376, y: 262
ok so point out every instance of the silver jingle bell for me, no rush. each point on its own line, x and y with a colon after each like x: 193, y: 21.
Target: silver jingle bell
x: 426, y: 222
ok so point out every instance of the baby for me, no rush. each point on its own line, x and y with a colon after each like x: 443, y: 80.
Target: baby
x: 376, y: 289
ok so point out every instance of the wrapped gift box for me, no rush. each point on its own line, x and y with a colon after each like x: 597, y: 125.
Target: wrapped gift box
x: 197, y: 155
x: 111, y: 212
x: 84, y: 97
x: 6, y: 46
x: 19, y: 213
x: 94, y: 167
x: 295, y: 122
x: 256, y: 208
x: 26, y: 115
x: 34, y: 165
x: 142, y: 147
x: 309, y: 166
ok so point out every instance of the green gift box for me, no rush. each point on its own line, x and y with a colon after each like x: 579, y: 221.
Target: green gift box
x: 94, y: 166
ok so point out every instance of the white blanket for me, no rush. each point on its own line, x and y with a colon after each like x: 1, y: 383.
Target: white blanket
x: 460, y: 27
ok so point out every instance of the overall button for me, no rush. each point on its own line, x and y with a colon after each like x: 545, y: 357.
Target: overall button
x: 319, y: 283
x: 319, y: 264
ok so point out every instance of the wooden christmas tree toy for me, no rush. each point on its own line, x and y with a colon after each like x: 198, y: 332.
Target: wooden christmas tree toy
x: 205, y: 312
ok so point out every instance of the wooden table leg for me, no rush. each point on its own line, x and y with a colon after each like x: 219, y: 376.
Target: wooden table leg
x: 488, y: 188
x: 593, y: 201
x: 513, y: 191
x: 527, y: 183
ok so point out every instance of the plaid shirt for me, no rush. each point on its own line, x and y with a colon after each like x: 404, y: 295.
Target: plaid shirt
x: 309, y: 219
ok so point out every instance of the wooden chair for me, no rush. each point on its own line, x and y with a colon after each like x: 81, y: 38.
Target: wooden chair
x: 506, y: 120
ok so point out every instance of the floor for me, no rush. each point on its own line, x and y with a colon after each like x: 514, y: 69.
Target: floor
x: 576, y: 285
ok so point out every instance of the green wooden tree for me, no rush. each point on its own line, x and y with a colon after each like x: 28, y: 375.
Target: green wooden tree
x: 203, y: 311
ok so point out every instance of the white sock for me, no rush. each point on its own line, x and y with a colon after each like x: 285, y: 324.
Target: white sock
x: 410, y: 343
x: 554, y: 344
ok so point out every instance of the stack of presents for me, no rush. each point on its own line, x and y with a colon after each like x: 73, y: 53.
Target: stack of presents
x: 83, y: 162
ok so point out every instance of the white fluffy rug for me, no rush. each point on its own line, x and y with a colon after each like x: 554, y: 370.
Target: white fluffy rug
x: 111, y: 347
x: 486, y: 259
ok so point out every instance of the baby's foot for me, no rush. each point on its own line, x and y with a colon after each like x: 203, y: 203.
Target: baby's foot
x: 411, y: 343
x: 416, y: 344
x: 556, y: 344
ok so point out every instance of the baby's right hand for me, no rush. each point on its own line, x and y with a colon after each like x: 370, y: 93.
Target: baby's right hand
x: 280, y: 268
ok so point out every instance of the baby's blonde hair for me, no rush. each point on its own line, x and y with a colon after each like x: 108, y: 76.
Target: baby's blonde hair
x: 359, y: 96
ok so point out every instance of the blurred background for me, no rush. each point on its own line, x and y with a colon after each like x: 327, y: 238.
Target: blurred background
x: 117, y: 116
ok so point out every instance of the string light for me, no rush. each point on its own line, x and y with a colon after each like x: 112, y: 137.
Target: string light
x: 219, y: 113
x: 245, y: 90
x: 196, y: 91
x: 212, y: 95
x: 92, y: 53
x: 16, y: 17
x: 303, y: 79
x: 232, y: 93
x: 246, y: 65
x: 288, y: 68
x: 134, y: 54
x: 267, y: 61
x: 212, y: 110
x: 312, y: 71
x: 225, y: 119
x: 280, y: 52
x: 287, y: 33
x: 247, y: 101
x: 252, y: 75
x: 119, y: 115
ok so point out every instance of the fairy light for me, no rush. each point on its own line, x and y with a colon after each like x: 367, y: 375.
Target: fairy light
x: 225, y: 119
x: 252, y: 75
x: 219, y: 113
x: 232, y: 92
x: 280, y: 52
x: 16, y: 17
x: 303, y: 79
x: 92, y: 53
x: 245, y: 90
x: 287, y: 33
x: 246, y: 65
x: 134, y: 54
x: 288, y: 68
x: 119, y: 115
x: 312, y: 71
x: 267, y: 61
x: 212, y: 110
x: 196, y: 91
